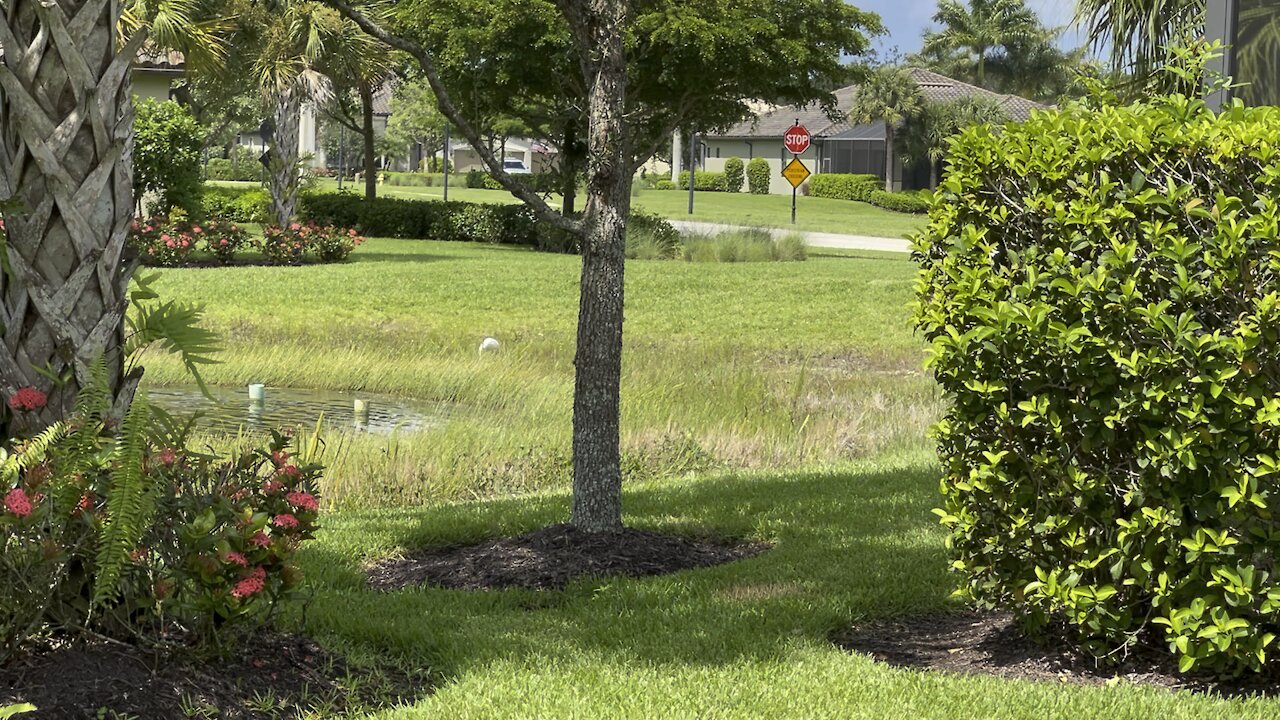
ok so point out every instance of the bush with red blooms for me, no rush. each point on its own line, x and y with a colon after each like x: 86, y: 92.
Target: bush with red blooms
x: 298, y: 242
x: 159, y: 242
x: 212, y: 546
x: 221, y: 238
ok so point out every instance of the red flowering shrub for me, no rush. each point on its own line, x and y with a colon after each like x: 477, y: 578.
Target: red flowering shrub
x: 214, y: 557
x: 160, y: 242
x: 325, y: 243
x: 223, y: 239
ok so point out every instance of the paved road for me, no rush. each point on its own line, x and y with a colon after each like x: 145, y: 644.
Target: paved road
x: 815, y: 239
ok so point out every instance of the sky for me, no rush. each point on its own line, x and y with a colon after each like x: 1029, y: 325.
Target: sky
x: 906, y: 20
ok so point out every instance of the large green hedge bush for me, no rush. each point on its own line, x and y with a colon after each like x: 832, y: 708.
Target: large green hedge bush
x: 905, y: 201
x: 422, y: 219
x: 167, y: 141
x: 1101, y: 288
x: 759, y: 176
x: 734, y: 174
x: 704, y: 181
x: 841, y: 186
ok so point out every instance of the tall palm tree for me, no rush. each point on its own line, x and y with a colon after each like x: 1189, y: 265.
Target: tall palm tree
x: 1139, y: 32
x: 981, y: 28
x: 66, y: 123
x: 889, y: 94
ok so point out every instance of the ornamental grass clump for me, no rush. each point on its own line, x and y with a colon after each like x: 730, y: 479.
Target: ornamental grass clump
x: 1101, y: 290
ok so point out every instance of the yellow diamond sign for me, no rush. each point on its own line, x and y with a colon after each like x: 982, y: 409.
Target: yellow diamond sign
x: 795, y: 172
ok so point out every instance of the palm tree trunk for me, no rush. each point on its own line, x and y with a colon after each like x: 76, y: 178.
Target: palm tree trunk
x: 597, y: 473
x: 366, y: 132
x: 889, y: 169
x: 283, y: 173
x: 66, y: 120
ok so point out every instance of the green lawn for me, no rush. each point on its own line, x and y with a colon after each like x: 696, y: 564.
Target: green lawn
x: 775, y: 401
x: 813, y: 214
x: 742, y: 365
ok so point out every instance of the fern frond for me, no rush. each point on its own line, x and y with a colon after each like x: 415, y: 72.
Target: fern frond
x: 130, y: 502
x: 174, y: 327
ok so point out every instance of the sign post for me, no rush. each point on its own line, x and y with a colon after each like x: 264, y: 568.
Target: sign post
x: 796, y: 140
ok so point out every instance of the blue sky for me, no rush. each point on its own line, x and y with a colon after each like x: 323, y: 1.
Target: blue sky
x: 907, y: 19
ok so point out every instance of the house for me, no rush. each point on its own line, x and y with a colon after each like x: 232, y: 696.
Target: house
x: 154, y: 74
x: 838, y: 146
x: 1248, y: 29
x: 537, y: 156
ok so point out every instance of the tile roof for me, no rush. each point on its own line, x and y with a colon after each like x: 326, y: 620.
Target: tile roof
x: 934, y: 87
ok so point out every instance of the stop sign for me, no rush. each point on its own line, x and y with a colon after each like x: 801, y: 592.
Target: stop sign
x: 796, y: 139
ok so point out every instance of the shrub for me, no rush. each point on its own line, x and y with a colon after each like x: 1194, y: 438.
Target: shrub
x: 759, y: 175
x: 1099, y: 289
x: 733, y: 174
x: 422, y: 219
x: 237, y: 204
x: 409, y: 179
x: 161, y: 242
x: 222, y: 238
x: 475, y: 179
x: 664, y: 185
x: 167, y: 144
x: 704, y: 181
x: 241, y: 166
x: 903, y: 202
x: 157, y: 543
x: 841, y: 186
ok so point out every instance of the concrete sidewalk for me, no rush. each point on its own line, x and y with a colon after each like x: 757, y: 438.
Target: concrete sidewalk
x: 815, y: 239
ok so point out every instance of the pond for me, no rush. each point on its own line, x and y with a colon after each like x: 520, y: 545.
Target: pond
x: 231, y: 409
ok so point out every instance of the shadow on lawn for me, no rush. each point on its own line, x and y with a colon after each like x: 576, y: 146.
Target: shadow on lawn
x: 361, y: 256
x: 848, y: 545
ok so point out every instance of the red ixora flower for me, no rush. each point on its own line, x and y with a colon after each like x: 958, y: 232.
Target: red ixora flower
x: 167, y: 457
x: 19, y: 504
x: 285, y: 521
x: 28, y: 398
x: 252, y: 584
x: 289, y: 471
x: 235, y: 558
x: 260, y: 539
x: 280, y: 457
x: 303, y: 501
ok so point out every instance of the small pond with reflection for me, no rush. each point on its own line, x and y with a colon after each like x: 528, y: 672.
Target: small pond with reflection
x: 231, y: 410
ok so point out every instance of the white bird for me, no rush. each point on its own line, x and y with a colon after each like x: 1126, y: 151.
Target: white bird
x: 489, y: 345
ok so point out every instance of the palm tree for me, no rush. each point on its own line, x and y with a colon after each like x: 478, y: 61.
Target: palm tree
x: 982, y: 28
x: 66, y: 124
x: 928, y: 133
x: 890, y: 94
x: 1139, y: 32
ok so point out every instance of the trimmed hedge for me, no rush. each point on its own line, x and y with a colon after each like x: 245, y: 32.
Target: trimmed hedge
x: 759, y: 175
x: 704, y: 181
x: 242, y: 205
x: 665, y: 185
x: 423, y: 219
x: 1099, y: 286
x: 734, y: 174
x: 840, y: 186
x: 642, y: 229
x: 906, y: 201
x: 413, y: 179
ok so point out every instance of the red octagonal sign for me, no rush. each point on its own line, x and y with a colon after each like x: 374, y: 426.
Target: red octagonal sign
x: 796, y: 139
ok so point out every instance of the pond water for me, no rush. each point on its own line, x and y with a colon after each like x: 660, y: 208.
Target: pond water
x: 231, y: 410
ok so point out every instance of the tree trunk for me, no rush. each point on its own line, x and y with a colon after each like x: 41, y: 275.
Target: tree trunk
x: 66, y: 120
x: 282, y: 174
x: 597, y: 474
x: 889, y: 164
x: 569, y: 169
x: 366, y: 132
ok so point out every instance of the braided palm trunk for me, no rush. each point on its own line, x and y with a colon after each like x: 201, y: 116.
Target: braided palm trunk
x: 66, y: 118
x: 284, y: 179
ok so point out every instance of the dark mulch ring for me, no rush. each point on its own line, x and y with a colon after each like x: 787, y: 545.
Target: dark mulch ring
x: 550, y: 558
x: 992, y: 643
x: 274, y: 676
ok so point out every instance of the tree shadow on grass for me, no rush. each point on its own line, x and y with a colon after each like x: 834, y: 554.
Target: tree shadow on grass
x: 405, y: 257
x: 847, y: 545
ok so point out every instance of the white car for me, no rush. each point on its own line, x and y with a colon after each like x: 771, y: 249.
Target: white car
x: 515, y: 166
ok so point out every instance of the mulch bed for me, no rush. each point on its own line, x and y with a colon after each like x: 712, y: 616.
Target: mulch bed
x: 274, y: 676
x: 550, y: 558
x: 992, y: 643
